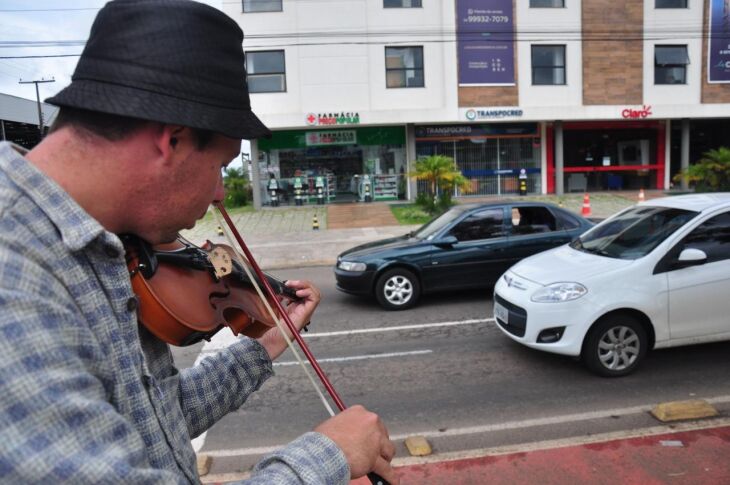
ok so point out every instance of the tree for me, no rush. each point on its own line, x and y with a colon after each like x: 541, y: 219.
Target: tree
x: 237, y: 187
x: 442, y: 176
x: 711, y: 173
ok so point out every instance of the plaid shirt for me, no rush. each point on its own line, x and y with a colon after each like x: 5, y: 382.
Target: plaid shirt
x: 87, y: 395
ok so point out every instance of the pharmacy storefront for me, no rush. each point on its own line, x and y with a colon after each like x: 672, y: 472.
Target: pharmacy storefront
x: 343, y: 164
x: 491, y: 156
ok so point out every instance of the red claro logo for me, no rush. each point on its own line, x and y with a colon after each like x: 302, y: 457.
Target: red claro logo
x: 637, y: 113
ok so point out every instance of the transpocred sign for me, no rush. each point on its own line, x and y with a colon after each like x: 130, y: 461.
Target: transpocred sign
x: 332, y: 119
x: 485, y: 38
x: 718, y: 50
x: 491, y: 113
x: 475, y: 130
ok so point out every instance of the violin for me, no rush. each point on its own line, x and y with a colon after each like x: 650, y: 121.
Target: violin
x: 189, y: 293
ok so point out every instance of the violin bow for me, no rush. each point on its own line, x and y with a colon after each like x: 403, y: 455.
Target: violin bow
x: 374, y: 478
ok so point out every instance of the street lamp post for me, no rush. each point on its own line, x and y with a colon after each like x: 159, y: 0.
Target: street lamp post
x: 38, y: 100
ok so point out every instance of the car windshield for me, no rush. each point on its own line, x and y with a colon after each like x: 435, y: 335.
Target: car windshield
x: 431, y: 228
x: 633, y: 233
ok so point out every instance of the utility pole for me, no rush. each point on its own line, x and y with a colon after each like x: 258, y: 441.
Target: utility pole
x: 38, y: 100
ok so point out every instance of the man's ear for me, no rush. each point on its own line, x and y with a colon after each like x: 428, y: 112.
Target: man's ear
x: 171, y: 140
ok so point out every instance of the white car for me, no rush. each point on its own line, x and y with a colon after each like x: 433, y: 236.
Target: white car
x: 654, y: 275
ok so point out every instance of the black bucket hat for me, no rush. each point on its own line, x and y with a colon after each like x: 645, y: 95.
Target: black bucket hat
x: 171, y: 61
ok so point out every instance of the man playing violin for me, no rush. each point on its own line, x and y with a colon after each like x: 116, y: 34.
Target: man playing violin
x: 157, y: 106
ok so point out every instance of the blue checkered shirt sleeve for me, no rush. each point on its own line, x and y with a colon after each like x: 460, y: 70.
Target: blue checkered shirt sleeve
x: 87, y: 396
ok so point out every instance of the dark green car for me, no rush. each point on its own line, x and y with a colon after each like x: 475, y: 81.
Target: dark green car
x: 469, y: 246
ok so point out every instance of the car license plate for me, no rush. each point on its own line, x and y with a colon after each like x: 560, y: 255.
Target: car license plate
x: 501, y: 313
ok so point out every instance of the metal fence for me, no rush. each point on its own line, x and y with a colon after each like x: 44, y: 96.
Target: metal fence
x: 492, y: 165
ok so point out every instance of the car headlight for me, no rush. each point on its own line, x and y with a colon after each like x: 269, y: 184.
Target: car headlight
x: 559, y: 292
x: 351, y: 266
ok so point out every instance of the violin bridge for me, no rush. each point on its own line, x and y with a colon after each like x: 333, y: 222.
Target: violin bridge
x: 221, y: 261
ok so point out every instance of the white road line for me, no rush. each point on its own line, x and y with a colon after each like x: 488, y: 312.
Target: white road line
x: 361, y: 357
x: 225, y: 338
x: 419, y: 326
x: 562, y: 419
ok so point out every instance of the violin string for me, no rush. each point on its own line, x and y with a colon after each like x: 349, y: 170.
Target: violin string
x: 271, y: 311
x: 276, y: 302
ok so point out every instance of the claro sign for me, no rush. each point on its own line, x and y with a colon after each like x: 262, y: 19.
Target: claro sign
x: 633, y: 114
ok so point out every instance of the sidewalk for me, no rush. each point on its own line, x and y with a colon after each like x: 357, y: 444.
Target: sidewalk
x: 284, y: 237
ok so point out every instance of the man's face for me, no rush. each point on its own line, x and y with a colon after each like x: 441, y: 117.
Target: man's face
x: 193, y: 183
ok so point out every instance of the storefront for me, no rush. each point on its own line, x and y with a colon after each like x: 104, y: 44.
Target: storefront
x: 344, y: 160
x: 704, y: 135
x: 610, y: 155
x: 491, y: 156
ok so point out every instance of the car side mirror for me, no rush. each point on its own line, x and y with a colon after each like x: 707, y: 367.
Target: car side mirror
x: 446, y: 242
x: 691, y: 257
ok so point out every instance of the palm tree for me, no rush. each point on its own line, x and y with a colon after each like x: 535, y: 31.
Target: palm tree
x: 442, y: 176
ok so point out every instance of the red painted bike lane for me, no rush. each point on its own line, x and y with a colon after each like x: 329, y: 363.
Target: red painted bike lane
x: 688, y: 457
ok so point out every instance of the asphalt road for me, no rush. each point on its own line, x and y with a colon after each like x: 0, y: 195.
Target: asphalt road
x: 443, y: 370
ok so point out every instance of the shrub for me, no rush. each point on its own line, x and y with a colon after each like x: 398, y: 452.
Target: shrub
x: 237, y: 187
x: 711, y: 173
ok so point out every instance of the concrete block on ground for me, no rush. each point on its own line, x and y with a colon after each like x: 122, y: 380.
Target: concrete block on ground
x: 680, y: 410
x: 418, y: 446
x: 204, y: 462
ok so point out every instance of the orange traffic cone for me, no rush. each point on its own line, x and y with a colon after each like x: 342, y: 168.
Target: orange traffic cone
x: 586, y: 211
x: 641, y: 195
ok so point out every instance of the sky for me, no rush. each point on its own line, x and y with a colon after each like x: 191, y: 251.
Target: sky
x: 64, y: 21
x: 45, y: 24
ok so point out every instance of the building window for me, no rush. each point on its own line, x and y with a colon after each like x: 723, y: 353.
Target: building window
x: 548, y: 64
x: 262, y: 6
x: 404, y: 67
x: 547, y: 3
x: 401, y: 3
x: 671, y: 4
x: 265, y: 71
x: 670, y: 64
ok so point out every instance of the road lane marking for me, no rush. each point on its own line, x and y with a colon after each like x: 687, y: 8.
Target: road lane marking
x: 222, y: 340
x: 419, y: 326
x: 362, y: 357
x: 529, y: 423
x: 562, y: 419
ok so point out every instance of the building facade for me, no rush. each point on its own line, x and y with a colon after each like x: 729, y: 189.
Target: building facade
x: 578, y: 94
x: 20, y: 122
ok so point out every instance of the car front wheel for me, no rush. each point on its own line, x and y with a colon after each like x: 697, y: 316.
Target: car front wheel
x: 615, y: 346
x: 397, y: 289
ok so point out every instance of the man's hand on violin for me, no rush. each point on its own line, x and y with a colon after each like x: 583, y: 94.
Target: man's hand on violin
x: 300, y: 312
x: 364, y: 440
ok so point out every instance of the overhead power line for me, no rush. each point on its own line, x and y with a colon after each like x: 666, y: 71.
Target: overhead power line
x: 672, y: 30
x: 421, y: 36
x: 46, y: 9
x: 40, y: 57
